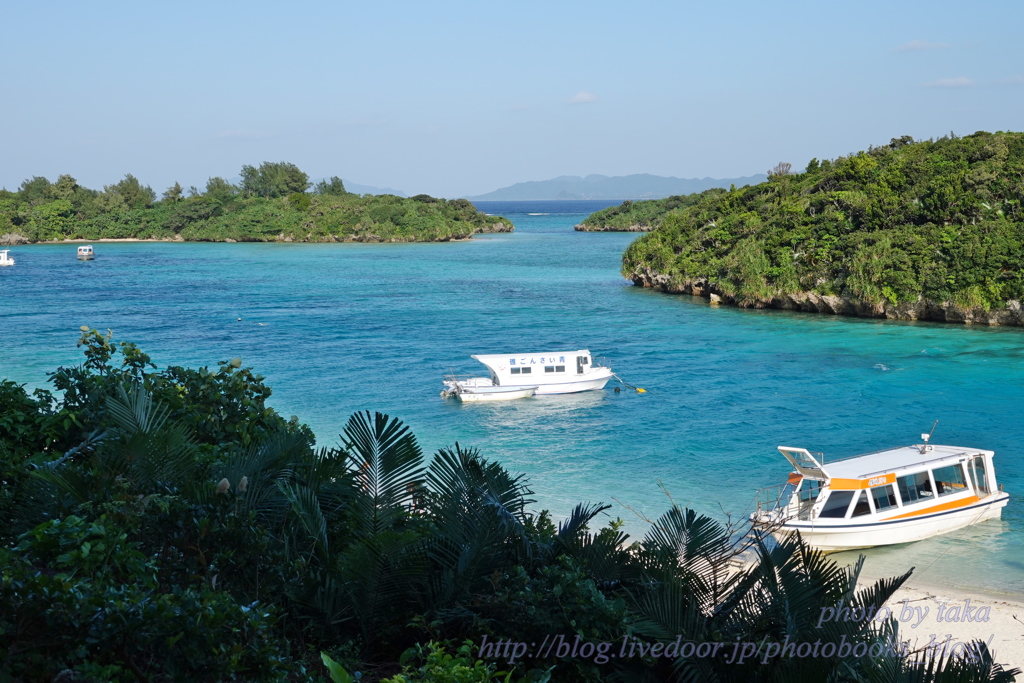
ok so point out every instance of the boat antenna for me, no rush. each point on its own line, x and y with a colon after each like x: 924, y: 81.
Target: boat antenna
x: 927, y: 437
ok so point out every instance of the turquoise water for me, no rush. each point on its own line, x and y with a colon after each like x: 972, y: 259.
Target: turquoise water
x: 342, y: 327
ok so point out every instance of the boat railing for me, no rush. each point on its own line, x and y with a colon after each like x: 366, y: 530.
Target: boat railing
x: 598, y: 362
x: 769, y: 498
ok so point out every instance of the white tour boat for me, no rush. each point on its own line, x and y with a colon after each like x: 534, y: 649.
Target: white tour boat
x: 561, y: 372
x: 893, y: 496
x: 85, y: 253
x: 5, y: 260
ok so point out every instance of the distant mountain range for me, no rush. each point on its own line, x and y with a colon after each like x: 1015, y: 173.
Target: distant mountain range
x: 356, y: 188
x: 637, y: 186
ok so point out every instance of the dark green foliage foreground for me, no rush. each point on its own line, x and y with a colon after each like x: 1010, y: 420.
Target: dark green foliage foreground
x: 899, y: 230
x: 270, y: 204
x: 165, y: 525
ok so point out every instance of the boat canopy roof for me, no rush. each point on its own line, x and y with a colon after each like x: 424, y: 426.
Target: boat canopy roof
x: 498, y: 360
x: 878, y: 464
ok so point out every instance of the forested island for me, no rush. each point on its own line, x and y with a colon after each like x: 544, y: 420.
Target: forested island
x: 163, y: 525
x: 641, y: 216
x: 930, y: 230
x: 273, y: 202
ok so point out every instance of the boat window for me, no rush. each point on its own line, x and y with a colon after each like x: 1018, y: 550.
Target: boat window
x: 549, y: 368
x: 559, y: 368
x: 809, y: 490
x: 862, y: 507
x: 516, y: 371
x: 836, y: 504
x: 978, y: 475
x: 884, y: 496
x: 949, y: 480
x: 527, y: 371
x: 915, y: 487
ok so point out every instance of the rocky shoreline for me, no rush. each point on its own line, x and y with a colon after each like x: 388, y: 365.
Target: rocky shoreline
x: 812, y: 302
x: 504, y: 225
x: 583, y: 227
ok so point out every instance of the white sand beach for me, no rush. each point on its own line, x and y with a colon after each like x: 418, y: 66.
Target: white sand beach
x: 954, y: 615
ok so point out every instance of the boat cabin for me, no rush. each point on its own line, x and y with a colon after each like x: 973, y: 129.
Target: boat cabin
x: 85, y: 253
x: 517, y: 369
x: 892, y: 496
x: 5, y: 260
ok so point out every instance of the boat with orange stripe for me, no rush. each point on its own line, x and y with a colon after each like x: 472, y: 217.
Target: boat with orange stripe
x: 883, y: 498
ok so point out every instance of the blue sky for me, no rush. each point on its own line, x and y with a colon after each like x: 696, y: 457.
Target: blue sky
x: 460, y: 98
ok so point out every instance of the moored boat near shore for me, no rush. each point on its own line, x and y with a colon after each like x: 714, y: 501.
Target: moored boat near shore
x: 888, y: 497
x: 5, y: 260
x: 562, y: 372
x: 85, y: 253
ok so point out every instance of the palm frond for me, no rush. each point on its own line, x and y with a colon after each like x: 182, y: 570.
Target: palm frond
x: 306, y: 507
x: 388, y: 468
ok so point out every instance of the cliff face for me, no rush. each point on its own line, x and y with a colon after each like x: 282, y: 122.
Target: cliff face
x: 812, y: 302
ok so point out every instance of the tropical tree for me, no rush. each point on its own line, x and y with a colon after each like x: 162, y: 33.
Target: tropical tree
x: 219, y: 189
x: 334, y: 186
x: 130, y: 193
x: 273, y: 179
x: 173, y: 193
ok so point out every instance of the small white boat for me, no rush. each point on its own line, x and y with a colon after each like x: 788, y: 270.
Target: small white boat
x: 560, y: 372
x: 893, y: 496
x: 472, y: 394
x: 5, y: 260
x: 85, y: 253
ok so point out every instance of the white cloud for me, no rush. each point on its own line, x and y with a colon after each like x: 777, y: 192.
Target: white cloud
x: 916, y: 45
x: 583, y: 97
x: 958, y: 82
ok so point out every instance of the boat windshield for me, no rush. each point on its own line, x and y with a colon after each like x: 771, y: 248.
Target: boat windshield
x: 837, y: 503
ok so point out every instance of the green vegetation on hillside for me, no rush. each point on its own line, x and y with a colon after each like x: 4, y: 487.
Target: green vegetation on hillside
x: 164, y: 525
x: 909, y: 229
x: 270, y: 204
x: 639, y: 216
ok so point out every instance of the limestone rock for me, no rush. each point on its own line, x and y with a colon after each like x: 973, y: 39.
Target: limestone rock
x: 500, y: 226
x: 831, y: 304
x: 12, y: 239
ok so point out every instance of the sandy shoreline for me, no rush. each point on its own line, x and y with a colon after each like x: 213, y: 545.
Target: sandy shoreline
x: 954, y: 615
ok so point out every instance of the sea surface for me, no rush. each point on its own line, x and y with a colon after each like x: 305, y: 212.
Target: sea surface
x: 338, y: 328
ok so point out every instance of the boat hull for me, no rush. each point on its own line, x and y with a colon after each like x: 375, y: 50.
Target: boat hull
x: 572, y: 387
x: 593, y: 381
x: 86, y: 258
x: 474, y: 395
x: 834, y: 538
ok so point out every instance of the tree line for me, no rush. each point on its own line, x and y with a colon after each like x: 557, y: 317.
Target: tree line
x: 272, y: 201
